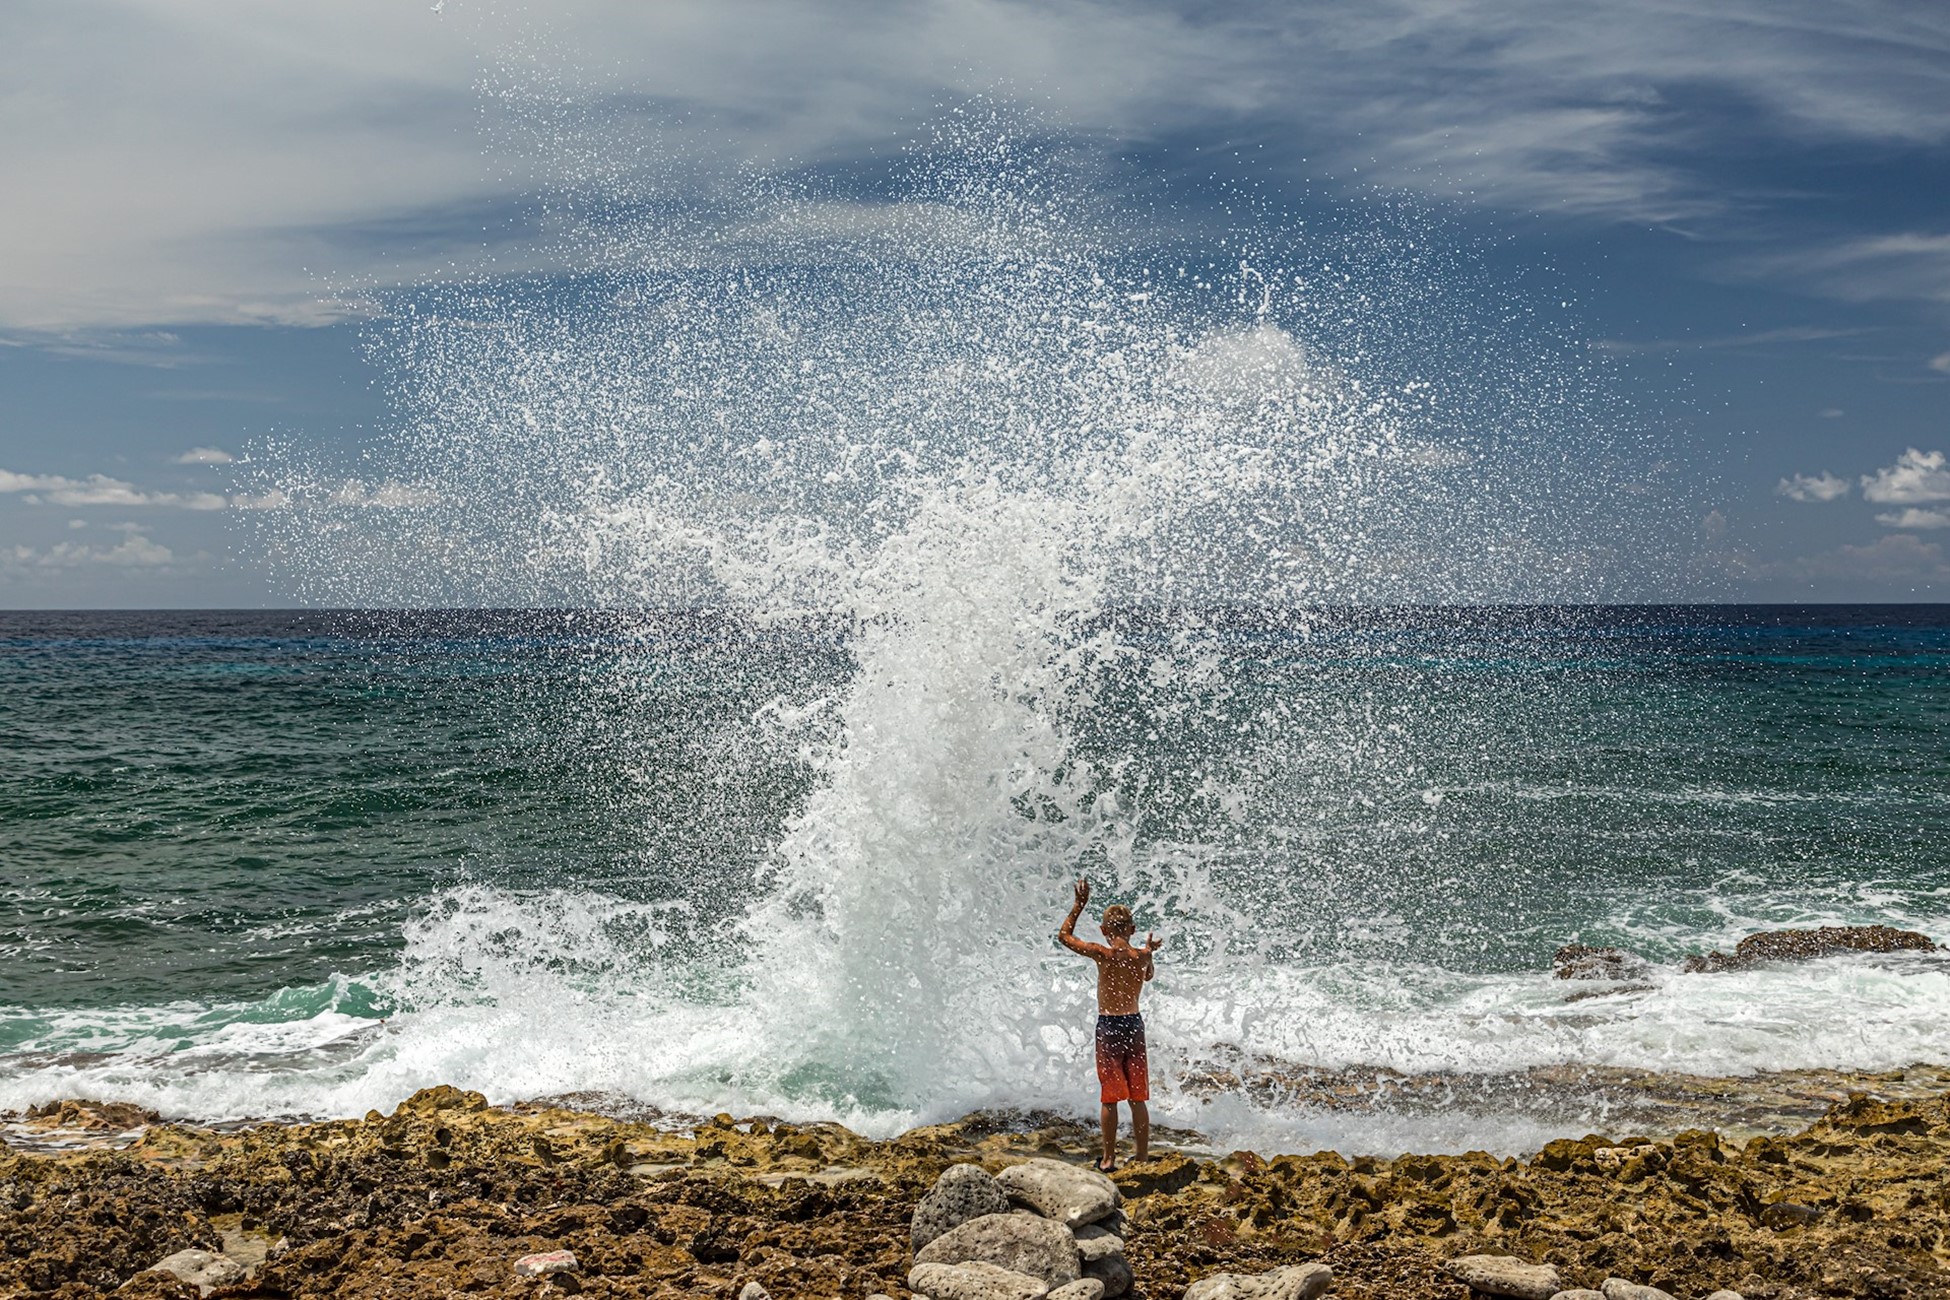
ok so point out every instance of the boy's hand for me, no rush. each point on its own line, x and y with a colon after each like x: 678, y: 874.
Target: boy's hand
x: 1083, y: 894
x: 1152, y: 943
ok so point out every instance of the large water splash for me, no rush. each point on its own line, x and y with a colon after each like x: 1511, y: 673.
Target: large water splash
x: 1018, y: 473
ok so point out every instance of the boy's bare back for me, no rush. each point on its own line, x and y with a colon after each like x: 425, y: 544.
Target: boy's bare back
x: 1122, y: 969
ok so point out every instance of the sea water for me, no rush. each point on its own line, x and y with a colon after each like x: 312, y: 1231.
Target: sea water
x: 304, y: 863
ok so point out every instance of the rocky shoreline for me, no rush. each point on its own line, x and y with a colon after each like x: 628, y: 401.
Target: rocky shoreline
x: 448, y: 1194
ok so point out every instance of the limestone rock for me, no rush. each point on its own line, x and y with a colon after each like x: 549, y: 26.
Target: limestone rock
x: 1084, y: 1288
x: 753, y: 1291
x: 1095, y: 1241
x: 1021, y: 1243
x: 1725, y: 1295
x: 1617, y: 1288
x: 1506, y: 1275
x: 1070, y: 1194
x: 202, y: 1269
x: 1584, y: 1293
x: 550, y: 1262
x: 1577, y: 961
x: 1295, y: 1282
x: 973, y: 1282
x: 1800, y: 945
x: 963, y: 1192
x: 1113, y: 1272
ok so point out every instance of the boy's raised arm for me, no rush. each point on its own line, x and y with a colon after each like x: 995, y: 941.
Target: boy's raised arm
x: 1067, y: 934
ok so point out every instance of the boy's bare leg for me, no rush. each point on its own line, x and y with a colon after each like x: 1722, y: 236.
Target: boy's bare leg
x: 1107, y: 1119
x: 1141, y: 1130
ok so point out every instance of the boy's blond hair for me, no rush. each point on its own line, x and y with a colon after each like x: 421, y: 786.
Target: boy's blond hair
x: 1117, y: 920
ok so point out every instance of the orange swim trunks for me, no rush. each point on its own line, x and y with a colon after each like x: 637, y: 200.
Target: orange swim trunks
x: 1123, y: 1070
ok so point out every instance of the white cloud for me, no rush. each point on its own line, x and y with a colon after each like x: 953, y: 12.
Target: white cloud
x: 101, y: 490
x: 1917, y: 478
x: 220, y: 161
x: 1813, y: 487
x: 1914, y: 518
x: 1907, y: 265
x: 205, y: 456
x: 133, y: 552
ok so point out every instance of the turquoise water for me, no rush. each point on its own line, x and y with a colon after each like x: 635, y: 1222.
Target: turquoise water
x: 263, y: 863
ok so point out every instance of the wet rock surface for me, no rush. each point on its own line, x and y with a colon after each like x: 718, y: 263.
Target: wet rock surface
x: 1576, y: 961
x: 446, y: 1194
x: 1802, y: 945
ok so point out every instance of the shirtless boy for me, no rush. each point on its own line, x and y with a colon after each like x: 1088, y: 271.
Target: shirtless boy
x: 1122, y: 1069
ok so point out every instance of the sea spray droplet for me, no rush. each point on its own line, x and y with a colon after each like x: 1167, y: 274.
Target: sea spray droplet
x: 1007, y: 469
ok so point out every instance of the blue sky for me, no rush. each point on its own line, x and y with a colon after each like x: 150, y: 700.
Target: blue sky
x: 1745, y: 204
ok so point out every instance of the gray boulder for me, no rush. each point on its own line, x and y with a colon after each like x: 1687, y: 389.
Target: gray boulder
x: 973, y: 1282
x: 1580, y: 1293
x: 1505, y: 1275
x: 1095, y: 1241
x: 1070, y: 1194
x: 1296, y: 1282
x: 1617, y: 1288
x: 1113, y: 1272
x: 203, y: 1269
x: 1084, y: 1288
x: 1021, y: 1243
x: 963, y: 1192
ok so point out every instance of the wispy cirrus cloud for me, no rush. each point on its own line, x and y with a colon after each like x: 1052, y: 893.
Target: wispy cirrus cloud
x: 240, y: 164
x: 1910, y: 265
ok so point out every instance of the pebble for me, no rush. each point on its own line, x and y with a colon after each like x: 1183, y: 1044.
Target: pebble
x: 1617, y: 1288
x: 1113, y: 1272
x: 1068, y: 1193
x: 1725, y: 1295
x: 546, y: 1264
x: 1788, y: 1214
x: 963, y: 1192
x: 1020, y: 1243
x: 753, y: 1291
x: 1095, y: 1241
x: 1084, y: 1288
x: 1506, y: 1275
x: 203, y: 1269
x: 1295, y: 1282
x: 1579, y: 1293
x: 973, y: 1282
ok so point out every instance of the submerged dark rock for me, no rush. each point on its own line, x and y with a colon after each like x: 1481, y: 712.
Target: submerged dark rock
x: 1802, y: 945
x: 1577, y: 961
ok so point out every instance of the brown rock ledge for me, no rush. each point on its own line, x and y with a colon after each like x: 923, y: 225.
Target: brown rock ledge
x: 444, y: 1195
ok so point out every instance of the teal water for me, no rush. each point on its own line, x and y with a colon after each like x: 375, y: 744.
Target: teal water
x: 262, y: 863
